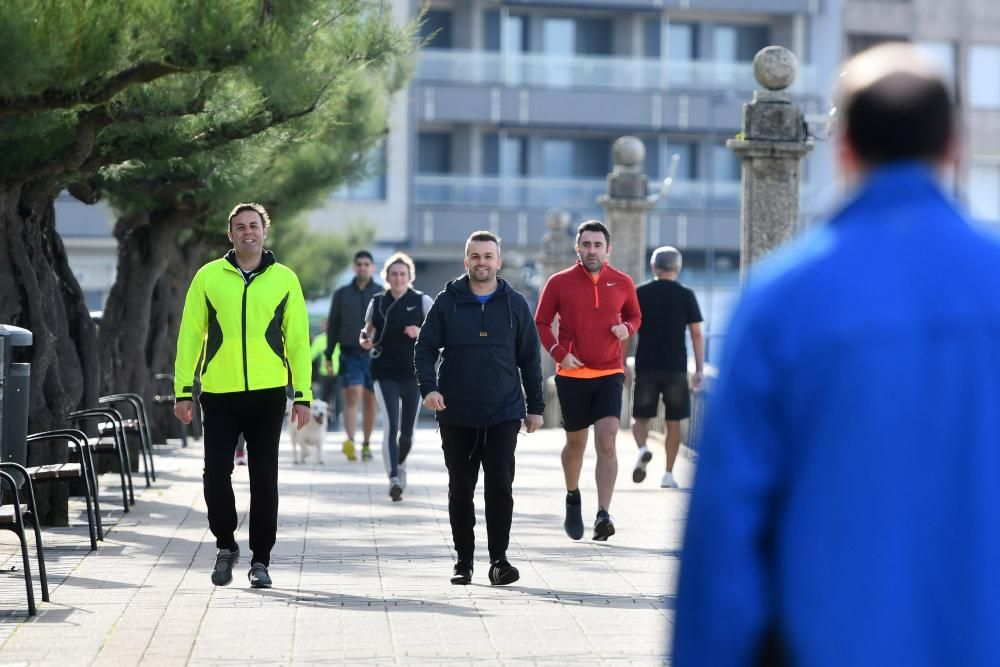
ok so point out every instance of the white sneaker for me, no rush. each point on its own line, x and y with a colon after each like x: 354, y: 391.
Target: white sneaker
x: 668, y: 481
x: 401, y: 471
x: 639, y: 472
x: 395, y: 490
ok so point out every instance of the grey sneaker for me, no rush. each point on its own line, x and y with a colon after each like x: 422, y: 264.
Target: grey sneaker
x: 395, y: 489
x: 401, y: 471
x: 222, y: 575
x: 639, y: 472
x: 258, y: 576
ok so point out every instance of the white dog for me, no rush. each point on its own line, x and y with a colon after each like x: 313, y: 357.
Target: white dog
x: 311, y: 435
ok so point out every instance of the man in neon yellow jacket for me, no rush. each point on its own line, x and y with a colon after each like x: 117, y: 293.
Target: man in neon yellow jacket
x: 246, y: 317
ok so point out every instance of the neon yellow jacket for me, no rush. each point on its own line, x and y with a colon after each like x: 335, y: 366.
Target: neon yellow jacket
x: 251, y: 332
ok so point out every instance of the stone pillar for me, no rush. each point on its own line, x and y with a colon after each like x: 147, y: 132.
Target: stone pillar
x: 625, y: 207
x: 556, y: 254
x: 771, y: 145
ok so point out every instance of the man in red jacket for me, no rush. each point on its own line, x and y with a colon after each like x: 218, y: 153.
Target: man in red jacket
x: 597, y: 309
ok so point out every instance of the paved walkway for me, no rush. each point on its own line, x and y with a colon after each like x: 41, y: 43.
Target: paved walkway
x: 358, y: 579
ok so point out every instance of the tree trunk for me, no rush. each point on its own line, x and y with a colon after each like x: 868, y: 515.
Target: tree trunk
x: 39, y: 292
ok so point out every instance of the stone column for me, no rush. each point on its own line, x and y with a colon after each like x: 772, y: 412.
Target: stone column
x: 625, y: 207
x: 771, y: 145
x: 556, y: 254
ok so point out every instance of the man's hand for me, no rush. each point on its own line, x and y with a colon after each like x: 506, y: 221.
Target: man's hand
x: 434, y: 401
x: 300, y: 416
x: 532, y: 423
x: 365, y: 340
x: 570, y: 362
x: 184, y: 411
x: 329, y: 366
x: 412, y: 331
x: 696, y: 380
x: 620, y: 331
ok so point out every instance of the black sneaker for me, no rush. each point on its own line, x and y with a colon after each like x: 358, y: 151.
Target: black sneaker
x: 574, y: 519
x: 503, y: 573
x: 395, y: 489
x: 258, y: 576
x: 222, y: 575
x: 462, y: 573
x: 604, y: 527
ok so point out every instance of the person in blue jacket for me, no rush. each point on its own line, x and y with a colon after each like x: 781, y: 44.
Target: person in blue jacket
x: 488, y: 383
x: 846, y: 508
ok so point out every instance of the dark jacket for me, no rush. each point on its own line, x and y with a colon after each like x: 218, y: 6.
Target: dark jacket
x: 482, y: 348
x: 392, y: 354
x: 347, y: 317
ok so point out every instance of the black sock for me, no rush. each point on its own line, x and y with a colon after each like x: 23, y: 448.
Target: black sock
x: 573, y: 497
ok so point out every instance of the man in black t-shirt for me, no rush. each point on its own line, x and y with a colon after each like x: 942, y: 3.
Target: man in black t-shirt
x: 668, y: 308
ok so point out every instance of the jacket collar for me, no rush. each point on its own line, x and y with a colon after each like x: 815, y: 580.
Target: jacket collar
x: 266, y: 260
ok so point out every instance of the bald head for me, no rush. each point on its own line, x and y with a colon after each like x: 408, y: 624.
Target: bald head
x: 893, y: 105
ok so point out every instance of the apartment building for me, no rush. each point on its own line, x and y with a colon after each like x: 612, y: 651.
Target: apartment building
x: 963, y: 36
x: 515, y: 104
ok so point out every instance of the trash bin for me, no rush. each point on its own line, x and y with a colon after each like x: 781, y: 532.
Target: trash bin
x: 15, y: 378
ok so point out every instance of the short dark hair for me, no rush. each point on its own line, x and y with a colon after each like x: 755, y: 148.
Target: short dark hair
x: 363, y: 254
x: 259, y: 209
x: 895, y: 106
x: 593, y: 226
x: 481, y: 236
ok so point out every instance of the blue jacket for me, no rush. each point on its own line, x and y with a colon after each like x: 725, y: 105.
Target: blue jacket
x: 847, y: 501
x: 487, y: 352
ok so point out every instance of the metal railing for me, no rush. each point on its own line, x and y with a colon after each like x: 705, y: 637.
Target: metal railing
x: 602, y: 72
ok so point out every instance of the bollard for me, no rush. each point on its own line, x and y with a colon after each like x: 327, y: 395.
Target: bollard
x: 15, y: 380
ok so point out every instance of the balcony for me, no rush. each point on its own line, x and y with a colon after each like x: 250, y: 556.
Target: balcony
x: 571, y: 194
x: 614, y: 73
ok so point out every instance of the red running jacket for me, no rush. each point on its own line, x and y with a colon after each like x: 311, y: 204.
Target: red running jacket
x: 587, y: 308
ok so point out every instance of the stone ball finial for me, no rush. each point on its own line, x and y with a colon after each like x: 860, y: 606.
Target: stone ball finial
x: 775, y: 67
x: 557, y: 219
x: 628, y: 151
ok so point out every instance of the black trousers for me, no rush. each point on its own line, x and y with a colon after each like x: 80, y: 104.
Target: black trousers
x: 465, y: 449
x: 259, y: 415
x: 399, y: 401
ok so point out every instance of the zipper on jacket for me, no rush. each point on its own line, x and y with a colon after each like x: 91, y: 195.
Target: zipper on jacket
x: 482, y: 321
x: 246, y: 378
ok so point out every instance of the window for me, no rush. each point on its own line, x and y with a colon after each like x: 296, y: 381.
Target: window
x: 434, y: 153
x: 515, y: 156
x: 942, y: 54
x: 682, y: 41
x: 738, y: 43
x: 651, y: 38
x: 858, y: 43
x: 517, y: 34
x: 491, y: 154
x: 687, y: 159
x: 491, y: 30
x: 559, y: 36
x: 557, y: 158
x: 437, y: 22
x: 984, y: 82
x: 984, y: 191
x: 576, y: 158
x: 593, y: 36
x: 725, y: 165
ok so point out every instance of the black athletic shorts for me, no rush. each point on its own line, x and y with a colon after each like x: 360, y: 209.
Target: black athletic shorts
x: 673, y: 387
x: 585, y: 400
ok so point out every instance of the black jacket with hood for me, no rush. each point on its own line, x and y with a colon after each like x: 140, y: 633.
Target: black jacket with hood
x: 487, y: 352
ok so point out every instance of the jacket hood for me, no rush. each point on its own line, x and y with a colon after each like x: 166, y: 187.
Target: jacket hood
x: 460, y: 290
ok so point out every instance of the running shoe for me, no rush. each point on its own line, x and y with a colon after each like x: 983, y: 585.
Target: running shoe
x: 604, y: 527
x: 258, y: 576
x: 366, y: 452
x: 222, y: 574
x: 574, y: 519
x: 348, y: 449
x: 462, y: 573
x: 503, y: 573
x: 395, y: 489
x: 639, y: 472
x: 668, y: 481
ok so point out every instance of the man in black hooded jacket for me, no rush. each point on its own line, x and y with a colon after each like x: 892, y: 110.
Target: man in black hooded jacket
x: 484, y: 333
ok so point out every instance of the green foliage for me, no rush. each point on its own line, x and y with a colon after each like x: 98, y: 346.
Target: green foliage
x: 316, y: 256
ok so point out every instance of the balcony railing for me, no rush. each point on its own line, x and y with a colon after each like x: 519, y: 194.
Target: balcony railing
x: 544, y: 193
x: 600, y: 72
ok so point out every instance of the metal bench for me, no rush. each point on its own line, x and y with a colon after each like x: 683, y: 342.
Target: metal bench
x: 13, y: 515
x: 116, y: 446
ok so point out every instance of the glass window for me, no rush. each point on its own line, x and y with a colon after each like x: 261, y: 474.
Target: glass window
x: 943, y: 55
x: 517, y: 34
x: 592, y: 158
x: 682, y: 43
x: 984, y: 81
x: 437, y: 26
x: 651, y: 38
x: 491, y: 154
x: 491, y: 30
x: 559, y: 36
x: 687, y: 159
x: 725, y: 164
x: 593, y: 36
x: 434, y: 153
x: 515, y: 156
x: 557, y: 158
x: 738, y: 43
x: 984, y: 192
x: 858, y: 43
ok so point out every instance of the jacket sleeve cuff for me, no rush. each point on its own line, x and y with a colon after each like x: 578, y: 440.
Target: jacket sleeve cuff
x: 558, y: 352
x: 305, y: 403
